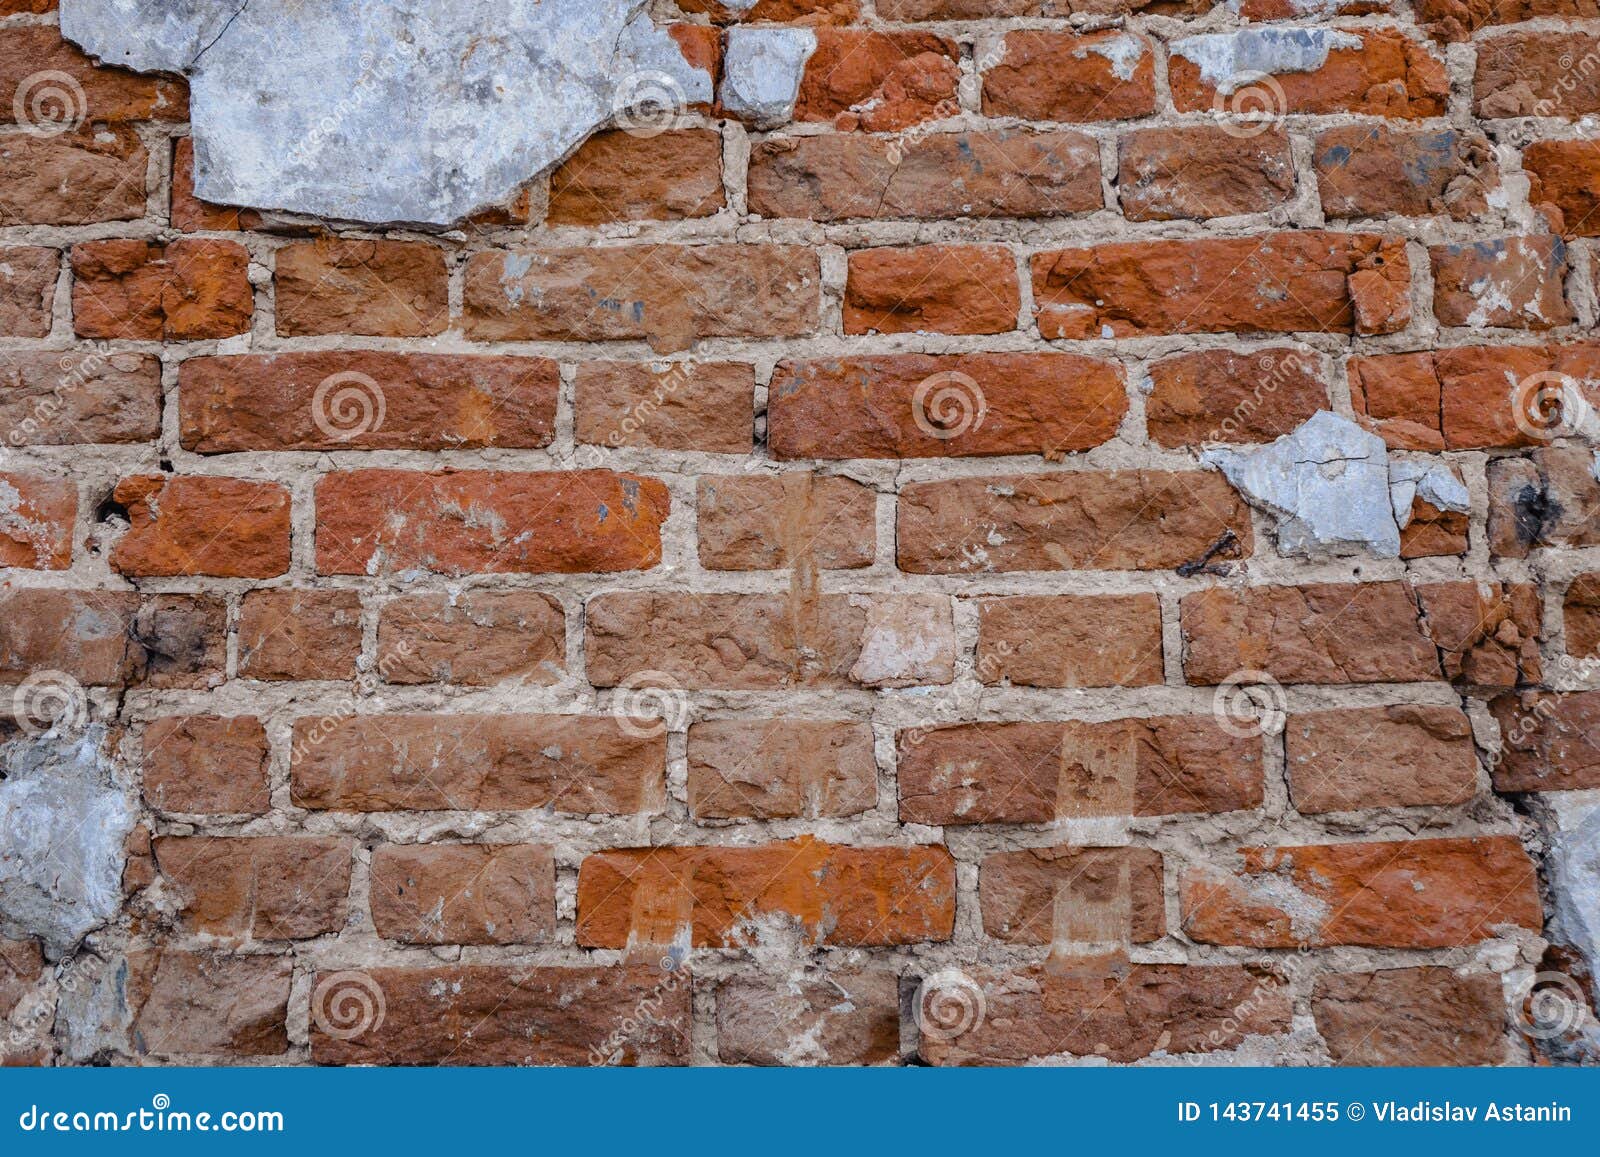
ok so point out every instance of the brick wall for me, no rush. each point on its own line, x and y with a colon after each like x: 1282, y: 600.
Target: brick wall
x: 756, y: 598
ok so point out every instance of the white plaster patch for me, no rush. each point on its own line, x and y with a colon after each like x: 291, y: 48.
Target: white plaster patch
x: 1229, y: 60
x: 381, y: 111
x: 1124, y: 51
x: 761, y: 72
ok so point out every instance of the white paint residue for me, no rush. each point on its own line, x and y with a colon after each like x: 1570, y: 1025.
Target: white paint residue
x: 1231, y: 60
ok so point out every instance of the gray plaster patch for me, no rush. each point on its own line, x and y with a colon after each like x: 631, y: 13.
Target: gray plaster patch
x: 761, y: 72
x: 1334, y: 490
x: 1228, y: 60
x: 384, y: 111
x: 63, y: 821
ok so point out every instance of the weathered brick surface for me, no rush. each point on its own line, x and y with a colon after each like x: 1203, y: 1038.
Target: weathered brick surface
x: 916, y: 406
x: 193, y: 288
x: 978, y: 773
x: 365, y: 401
x: 1426, y: 893
x: 780, y: 768
x: 474, y: 521
x: 859, y: 896
x: 568, y: 763
x: 464, y: 893
x: 383, y: 288
x: 601, y: 605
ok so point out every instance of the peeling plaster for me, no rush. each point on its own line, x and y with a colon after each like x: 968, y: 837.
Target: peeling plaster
x: 1229, y: 60
x: 379, y: 111
x: 1334, y: 489
x: 761, y: 72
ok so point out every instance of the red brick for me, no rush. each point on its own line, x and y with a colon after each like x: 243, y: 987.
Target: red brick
x: 1202, y: 172
x: 365, y: 401
x: 568, y: 763
x: 1564, y: 183
x: 1581, y: 611
x: 1070, y: 640
x: 495, y: 1014
x: 968, y: 404
x: 1073, y: 896
x: 1036, y: 773
x: 1088, y: 520
x: 721, y: 896
x: 994, y: 173
x: 464, y: 893
x: 1400, y: 756
x: 1309, y: 281
x: 382, y: 288
x: 622, y: 176
x: 1550, y: 741
x: 1388, y: 75
x: 837, y: 1018
x: 981, y: 9
x: 188, y: 213
x: 1411, y: 1016
x: 1458, y: 19
x: 28, y: 275
x: 1468, y: 398
x: 224, y: 527
x: 1433, y: 532
x: 57, y: 399
x: 1126, y: 1014
x: 260, y: 887
x: 878, y: 81
x: 932, y: 288
x: 766, y: 522
x: 1062, y: 76
x: 780, y: 769
x: 1538, y: 74
x: 668, y: 295
x: 207, y: 1003
x: 117, y: 637
x: 1510, y: 281
x: 688, y: 405
x: 21, y: 966
x: 767, y: 642
x: 1424, y: 893
x: 798, y: 11
x: 1223, y: 396
x: 1378, y: 171
x: 206, y: 764
x: 488, y: 522
x: 475, y: 638
x: 108, y: 94
x: 190, y: 289
x: 76, y: 178
x: 297, y: 634
x: 37, y: 516
x: 1547, y: 499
